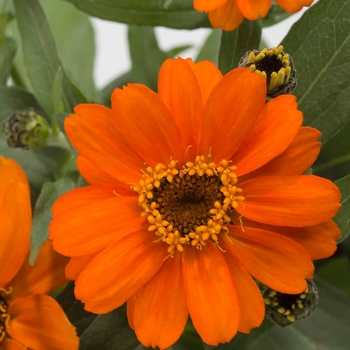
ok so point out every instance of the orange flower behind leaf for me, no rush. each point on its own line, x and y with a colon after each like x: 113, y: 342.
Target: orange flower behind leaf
x: 220, y: 200
x: 28, y: 318
x: 229, y: 14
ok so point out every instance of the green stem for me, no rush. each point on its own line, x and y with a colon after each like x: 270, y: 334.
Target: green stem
x: 331, y: 163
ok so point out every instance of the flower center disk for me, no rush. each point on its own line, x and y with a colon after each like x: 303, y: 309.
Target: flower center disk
x: 189, y: 205
x: 4, y: 316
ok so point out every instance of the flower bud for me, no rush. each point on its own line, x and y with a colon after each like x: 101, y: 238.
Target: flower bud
x: 26, y: 129
x: 275, y: 66
x: 285, y: 309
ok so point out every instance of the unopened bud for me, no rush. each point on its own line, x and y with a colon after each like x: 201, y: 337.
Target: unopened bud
x: 275, y: 66
x: 26, y: 129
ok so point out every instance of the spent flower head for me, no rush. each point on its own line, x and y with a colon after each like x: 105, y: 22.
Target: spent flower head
x: 275, y: 66
x: 26, y: 129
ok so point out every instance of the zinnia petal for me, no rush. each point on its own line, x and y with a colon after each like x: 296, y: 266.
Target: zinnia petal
x: 296, y: 159
x: 38, y: 322
x: 92, y: 225
x: 93, y: 174
x: 160, y: 312
x: 272, y: 259
x: 293, y: 6
x: 271, y: 134
x: 228, y: 16
x: 15, y: 217
x: 77, y: 264
x: 253, y: 9
x: 230, y: 113
x: 10, y: 344
x: 113, y: 276
x: 289, y: 200
x: 147, y: 124
x: 45, y: 275
x: 207, y: 5
x: 319, y: 240
x: 179, y: 90
x: 249, y: 297
x: 207, y: 74
x: 93, y: 133
x: 210, y: 294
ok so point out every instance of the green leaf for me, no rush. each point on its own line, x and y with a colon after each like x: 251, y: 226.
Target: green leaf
x: 146, y: 56
x: 210, y: 49
x: 336, y: 271
x: 8, y: 49
x: 236, y: 43
x: 104, y: 332
x: 75, y: 39
x: 320, y: 46
x: 40, y: 55
x: 334, y: 159
x: 342, y: 219
x: 42, y: 212
x: 328, y: 327
x: 173, y: 14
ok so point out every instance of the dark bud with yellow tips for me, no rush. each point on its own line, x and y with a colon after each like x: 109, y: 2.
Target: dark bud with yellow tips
x: 26, y: 129
x: 285, y: 309
x: 275, y: 66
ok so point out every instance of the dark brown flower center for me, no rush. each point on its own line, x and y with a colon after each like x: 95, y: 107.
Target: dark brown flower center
x: 186, y: 202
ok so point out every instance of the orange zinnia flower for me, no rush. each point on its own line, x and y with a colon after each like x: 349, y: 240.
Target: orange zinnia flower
x: 229, y: 14
x: 28, y: 318
x: 219, y: 198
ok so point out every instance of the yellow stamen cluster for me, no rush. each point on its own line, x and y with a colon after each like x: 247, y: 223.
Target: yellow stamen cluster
x: 164, y: 187
x: 275, y: 78
x: 4, y: 316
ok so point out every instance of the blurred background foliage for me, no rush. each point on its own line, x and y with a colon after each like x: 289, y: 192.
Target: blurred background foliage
x: 47, y: 53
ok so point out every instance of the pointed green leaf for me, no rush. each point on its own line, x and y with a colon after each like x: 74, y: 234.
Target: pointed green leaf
x: 146, y: 56
x: 236, y: 43
x: 75, y: 39
x: 328, y: 327
x: 40, y: 55
x: 320, y: 46
x: 42, y: 212
x: 104, y: 332
x: 210, y: 49
x: 342, y: 219
x: 8, y: 49
x: 171, y: 13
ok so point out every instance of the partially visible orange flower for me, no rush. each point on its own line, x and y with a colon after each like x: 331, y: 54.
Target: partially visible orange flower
x: 229, y: 14
x: 28, y: 318
x: 220, y: 198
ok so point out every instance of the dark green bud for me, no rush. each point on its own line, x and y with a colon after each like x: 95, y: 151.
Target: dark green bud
x: 285, y: 309
x: 275, y: 66
x: 26, y: 129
